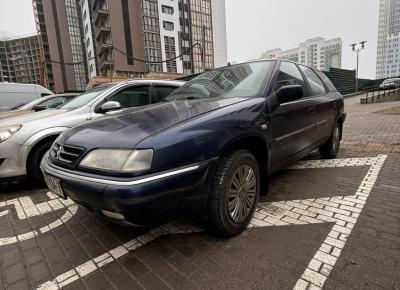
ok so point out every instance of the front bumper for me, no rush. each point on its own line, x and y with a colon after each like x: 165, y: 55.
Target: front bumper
x: 142, y: 201
x: 12, y: 164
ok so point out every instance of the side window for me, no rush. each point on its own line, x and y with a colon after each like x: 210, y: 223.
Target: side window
x: 135, y: 96
x: 53, y: 103
x: 289, y: 74
x: 160, y: 93
x: 327, y: 81
x: 317, y: 87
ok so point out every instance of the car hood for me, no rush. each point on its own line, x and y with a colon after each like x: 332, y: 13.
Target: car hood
x: 13, y: 113
x: 133, y: 126
x: 29, y: 117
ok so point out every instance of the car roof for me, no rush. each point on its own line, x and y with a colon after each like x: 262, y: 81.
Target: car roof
x: 149, y: 81
x: 272, y: 59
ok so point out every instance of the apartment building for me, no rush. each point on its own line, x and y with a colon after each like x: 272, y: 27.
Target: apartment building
x: 318, y: 53
x: 86, y: 38
x: 20, y: 60
x: 388, y: 54
x: 59, y: 24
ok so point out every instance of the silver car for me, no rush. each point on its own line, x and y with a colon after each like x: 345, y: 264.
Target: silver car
x: 25, y: 139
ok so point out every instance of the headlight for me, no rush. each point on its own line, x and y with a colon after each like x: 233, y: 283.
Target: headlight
x: 124, y: 161
x: 7, y: 132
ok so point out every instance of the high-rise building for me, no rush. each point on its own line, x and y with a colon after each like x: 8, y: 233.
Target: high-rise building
x: 156, y: 31
x: 59, y: 24
x: 85, y: 38
x: 388, y: 54
x: 20, y: 60
x: 318, y: 53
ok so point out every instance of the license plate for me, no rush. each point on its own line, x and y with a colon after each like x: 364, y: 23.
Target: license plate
x: 54, y: 185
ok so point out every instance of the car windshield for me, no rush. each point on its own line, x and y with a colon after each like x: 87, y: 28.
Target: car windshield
x: 244, y: 80
x: 86, y: 97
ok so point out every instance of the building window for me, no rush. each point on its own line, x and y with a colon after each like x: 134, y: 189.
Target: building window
x: 167, y: 9
x: 170, y: 53
x: 168, y: 25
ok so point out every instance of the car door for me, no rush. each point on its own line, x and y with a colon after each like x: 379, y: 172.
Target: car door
x: 325, y: 106
x: 293, y: 123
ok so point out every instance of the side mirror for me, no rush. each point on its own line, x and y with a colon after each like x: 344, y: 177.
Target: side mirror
x: 39, y: 108
x: 290, y: 93
x: 110, y: 106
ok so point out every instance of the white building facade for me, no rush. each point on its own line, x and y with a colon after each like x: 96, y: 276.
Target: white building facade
x: 388, y: 54
x: 88, y: 38
x: 168, y: 13
x: 219, y: 33
x: 318, y: 53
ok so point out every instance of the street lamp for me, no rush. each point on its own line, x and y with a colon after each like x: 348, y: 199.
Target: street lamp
x: 357, y: 48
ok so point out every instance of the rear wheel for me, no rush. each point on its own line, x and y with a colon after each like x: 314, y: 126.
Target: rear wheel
x: 331, y: 148
x: 234, y: 194
x: 36, y: 157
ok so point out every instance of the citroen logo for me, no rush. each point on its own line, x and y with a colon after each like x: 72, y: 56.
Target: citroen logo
x: 58, y: 152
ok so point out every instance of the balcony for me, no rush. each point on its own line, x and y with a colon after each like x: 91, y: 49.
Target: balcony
x: 106, y: 65
x: 100, y: 15
x: 102, y: 31
x: 103, y: 48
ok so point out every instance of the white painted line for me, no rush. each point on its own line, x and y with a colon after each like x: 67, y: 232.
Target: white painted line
x: 330, y: 250
x: 106, y: 258
x: 284, y: 213
x: 25, y: 208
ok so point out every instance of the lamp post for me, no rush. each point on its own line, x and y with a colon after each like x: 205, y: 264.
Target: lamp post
x: 357, y: 48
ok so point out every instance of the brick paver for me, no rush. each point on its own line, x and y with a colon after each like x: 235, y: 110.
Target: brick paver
x: 331, y: 224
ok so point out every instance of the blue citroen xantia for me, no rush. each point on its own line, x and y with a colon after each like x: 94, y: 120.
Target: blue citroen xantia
x: 205, y: 151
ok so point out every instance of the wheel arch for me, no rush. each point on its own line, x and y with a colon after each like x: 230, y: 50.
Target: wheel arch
x: 340, y: 119
x: 256, y: 145
x: 37, y: 140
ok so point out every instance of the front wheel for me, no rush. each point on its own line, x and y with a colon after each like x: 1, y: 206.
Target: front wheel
x: 330, y: 149
x: 234, y: 194
x: 33, y: 166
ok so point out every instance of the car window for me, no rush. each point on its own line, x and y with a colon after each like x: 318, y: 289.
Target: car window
x: 326, y: 80
x: 317, y: 87
x: 289, y: 74
x: 134, y: 96
x: 53, y: 102
x: 161, y: 92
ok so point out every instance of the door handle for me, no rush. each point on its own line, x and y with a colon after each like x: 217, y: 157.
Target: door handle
x: 311, y: 110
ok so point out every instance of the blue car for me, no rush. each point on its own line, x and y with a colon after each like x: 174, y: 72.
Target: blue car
x: 206, y: 151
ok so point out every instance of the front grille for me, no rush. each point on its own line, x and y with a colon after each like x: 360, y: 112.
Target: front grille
x: 66, y: 154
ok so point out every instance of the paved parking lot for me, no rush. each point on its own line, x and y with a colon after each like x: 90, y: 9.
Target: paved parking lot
x: 324, y: 224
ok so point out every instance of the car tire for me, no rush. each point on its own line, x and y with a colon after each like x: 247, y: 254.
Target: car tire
x: 331, y: 148
x: 233, y: 198
x: 36, y: 157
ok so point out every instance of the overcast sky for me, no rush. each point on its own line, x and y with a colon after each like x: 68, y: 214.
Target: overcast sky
x: 254, y: 26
